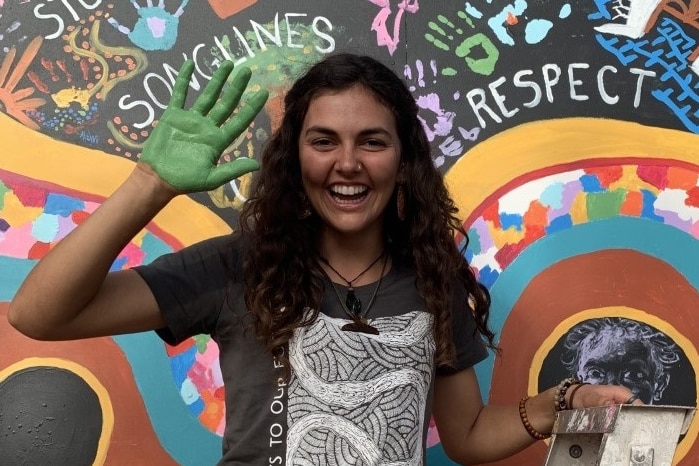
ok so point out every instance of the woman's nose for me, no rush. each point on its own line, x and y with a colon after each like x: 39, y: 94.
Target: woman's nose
x: 348, y: 161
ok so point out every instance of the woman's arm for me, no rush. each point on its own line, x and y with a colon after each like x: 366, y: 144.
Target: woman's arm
x: 473, y: 433
x: 70, y: 293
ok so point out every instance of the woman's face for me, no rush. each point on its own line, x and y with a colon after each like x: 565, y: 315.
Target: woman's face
x: 349, y: 153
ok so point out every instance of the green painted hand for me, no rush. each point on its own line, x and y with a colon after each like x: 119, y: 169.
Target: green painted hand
x: 185, y: 146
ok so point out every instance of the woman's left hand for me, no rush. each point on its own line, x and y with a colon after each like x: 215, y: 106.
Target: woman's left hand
x: 589, y: 396
x: 185, y: 147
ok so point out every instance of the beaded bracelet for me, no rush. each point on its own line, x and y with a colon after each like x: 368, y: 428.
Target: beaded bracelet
x: 572, y: 394
x: 559, y: 397
x: 525, y: 421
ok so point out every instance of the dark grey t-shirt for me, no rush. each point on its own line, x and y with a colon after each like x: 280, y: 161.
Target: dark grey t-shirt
x: 353, y: 398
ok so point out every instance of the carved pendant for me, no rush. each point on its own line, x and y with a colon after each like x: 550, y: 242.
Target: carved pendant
x: 360, y: 325
x: 354, y: 305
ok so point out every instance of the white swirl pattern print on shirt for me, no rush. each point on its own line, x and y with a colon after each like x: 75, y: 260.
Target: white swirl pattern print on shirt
x: 359, y: 399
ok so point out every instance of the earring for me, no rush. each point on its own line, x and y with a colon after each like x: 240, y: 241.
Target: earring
x: 305, y: 208
x: 400, y: 202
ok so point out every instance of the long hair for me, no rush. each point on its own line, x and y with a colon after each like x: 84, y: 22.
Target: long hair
x: 284, y: 285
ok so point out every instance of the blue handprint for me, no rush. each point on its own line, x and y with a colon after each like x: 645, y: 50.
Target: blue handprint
x: 156, y: 29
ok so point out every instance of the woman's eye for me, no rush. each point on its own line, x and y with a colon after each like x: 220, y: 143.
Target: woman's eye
x: 322, y: 142
x: 374, y: 143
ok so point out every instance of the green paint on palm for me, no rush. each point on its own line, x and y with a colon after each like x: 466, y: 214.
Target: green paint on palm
x: 185, y: 147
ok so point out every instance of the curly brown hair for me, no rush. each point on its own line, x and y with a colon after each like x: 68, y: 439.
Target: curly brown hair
x: 281, y: 271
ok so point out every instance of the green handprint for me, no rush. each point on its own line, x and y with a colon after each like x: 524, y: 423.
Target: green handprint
x: 185, y: 146
x: 477, y: 44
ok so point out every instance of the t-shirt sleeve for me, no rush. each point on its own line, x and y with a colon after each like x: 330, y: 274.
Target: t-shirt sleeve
x: 190, y: 287
x: 468, y: 341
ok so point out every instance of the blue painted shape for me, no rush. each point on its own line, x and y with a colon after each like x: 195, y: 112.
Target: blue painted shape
x: 510, y: 220
x: 45, y: 228
x: 537, y: 30
x: 552, y: 196
x: 602, y: 11
x: 559, y: 223
x: 474, y: 241
x: 180, y: 433
x: 196, y: 407
x: 118, y: 263
x: 153, y: 247
x: 648, y: 210
x: 565, y: 11
x: 591, y: 184
x: 180, y: 364
x: 58, y: 204
x: 12, y: 273
x: 488, y: 276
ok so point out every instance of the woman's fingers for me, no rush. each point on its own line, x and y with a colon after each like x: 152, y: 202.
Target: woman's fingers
x: 179, y: 91
x: 235, y: 127
x: 225, y: 107
x: 212, y: 91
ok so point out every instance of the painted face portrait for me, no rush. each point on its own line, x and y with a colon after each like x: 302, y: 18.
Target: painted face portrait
x: 621, y: 352
x: 622, y: 361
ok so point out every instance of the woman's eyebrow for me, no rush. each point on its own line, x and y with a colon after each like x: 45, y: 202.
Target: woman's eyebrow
x: 364, y: 132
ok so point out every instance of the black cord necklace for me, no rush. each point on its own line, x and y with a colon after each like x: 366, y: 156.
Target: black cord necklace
x: 352, y: 305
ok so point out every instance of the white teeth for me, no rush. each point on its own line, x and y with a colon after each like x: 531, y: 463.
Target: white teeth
x: 348, y: 190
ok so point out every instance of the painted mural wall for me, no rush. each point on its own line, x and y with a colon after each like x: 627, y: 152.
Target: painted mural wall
x: 567, y: 131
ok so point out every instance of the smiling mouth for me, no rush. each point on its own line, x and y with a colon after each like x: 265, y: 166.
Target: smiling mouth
x: 348, y: 194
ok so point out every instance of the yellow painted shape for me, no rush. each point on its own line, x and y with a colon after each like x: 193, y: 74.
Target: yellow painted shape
x: 15, y: 213
x: 502, y: 237
x: 629, y: 313
x: 65, y: 97
x: 89, y: 378
x: 578, y: 209
x: 526, y: 148
x: 40, y: 157
x: 630, y: 181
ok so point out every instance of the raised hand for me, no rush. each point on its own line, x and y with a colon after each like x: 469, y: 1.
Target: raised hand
x: 185, y: 146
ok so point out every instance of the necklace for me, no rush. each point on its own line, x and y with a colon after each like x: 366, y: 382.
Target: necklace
x: 352, y: 305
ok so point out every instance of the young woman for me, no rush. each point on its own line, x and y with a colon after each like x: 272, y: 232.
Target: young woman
x: 345, y: 315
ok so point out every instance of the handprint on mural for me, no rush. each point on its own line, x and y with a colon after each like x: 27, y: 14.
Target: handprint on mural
x: 156, y: 28
x: 438, y: 122
x: 477, y: 50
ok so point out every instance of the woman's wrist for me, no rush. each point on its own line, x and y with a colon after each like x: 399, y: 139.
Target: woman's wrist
x: 537, y: 414
x: 560, y: 402
x: 148, y: 182
x: 537, y: 419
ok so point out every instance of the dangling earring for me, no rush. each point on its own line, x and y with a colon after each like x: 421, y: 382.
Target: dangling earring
x: 305, y: 208
x: 400, y: 201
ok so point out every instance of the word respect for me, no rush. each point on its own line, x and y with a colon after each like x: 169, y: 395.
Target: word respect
x: 490, y: 104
